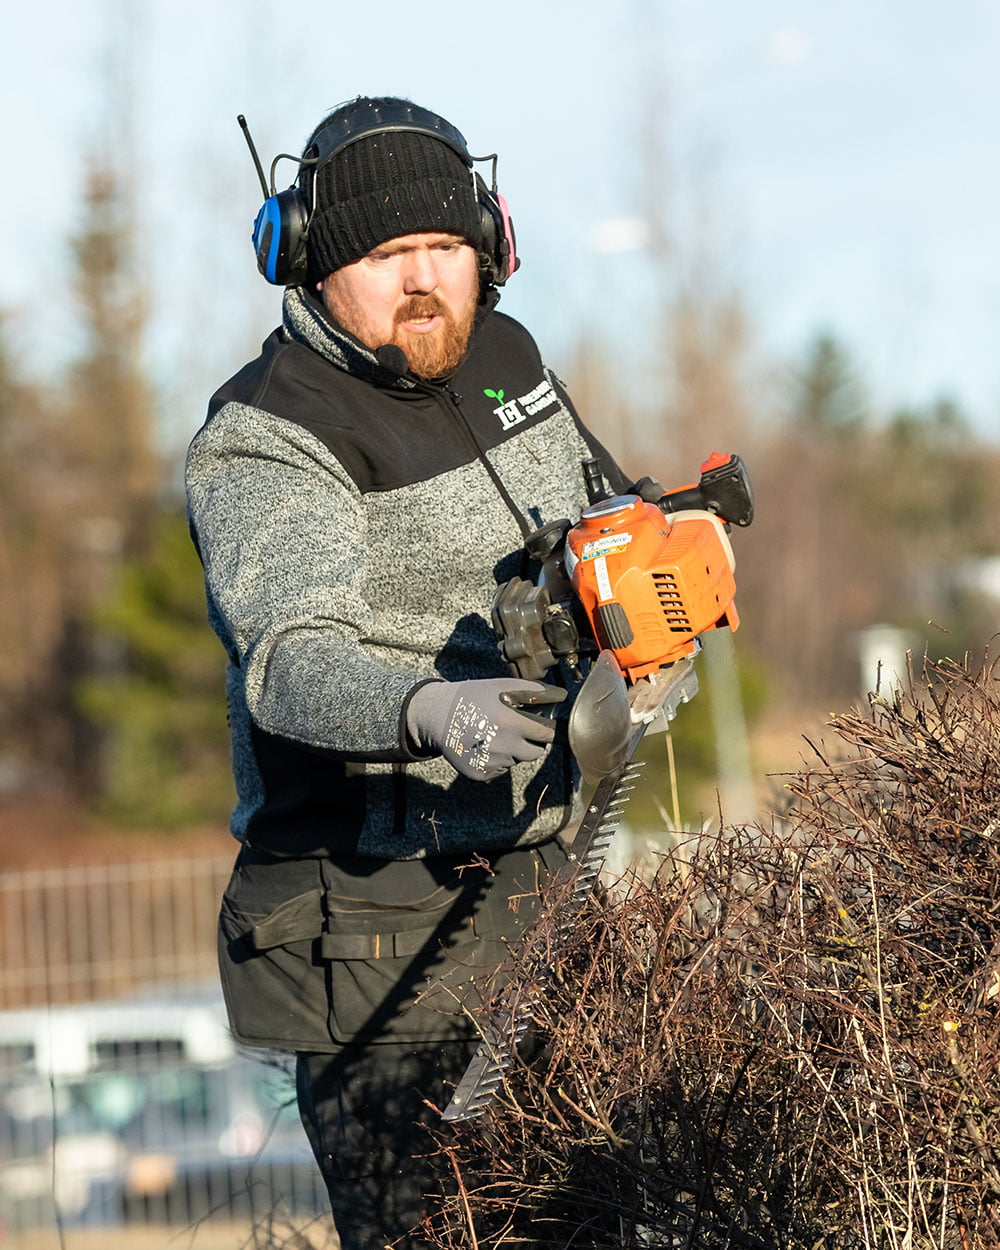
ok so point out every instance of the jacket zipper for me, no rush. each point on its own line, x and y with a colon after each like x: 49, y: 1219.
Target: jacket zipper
x: 451, y: 402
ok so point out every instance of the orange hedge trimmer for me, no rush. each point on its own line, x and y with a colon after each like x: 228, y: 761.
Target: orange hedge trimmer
x: 627, y: 593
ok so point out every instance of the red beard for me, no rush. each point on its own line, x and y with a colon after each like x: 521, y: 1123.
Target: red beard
x: 439, y: 352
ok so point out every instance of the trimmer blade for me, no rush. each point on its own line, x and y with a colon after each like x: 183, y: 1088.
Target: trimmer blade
x: 600, y: 724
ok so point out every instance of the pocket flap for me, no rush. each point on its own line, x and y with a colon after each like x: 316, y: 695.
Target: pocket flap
x: 297, y: 919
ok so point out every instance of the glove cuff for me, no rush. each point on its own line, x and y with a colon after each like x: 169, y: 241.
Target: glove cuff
x: 427, y: 715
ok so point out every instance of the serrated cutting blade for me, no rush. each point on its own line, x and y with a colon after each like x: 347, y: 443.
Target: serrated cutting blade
x: 501, y: 1035
x: 586, y: 857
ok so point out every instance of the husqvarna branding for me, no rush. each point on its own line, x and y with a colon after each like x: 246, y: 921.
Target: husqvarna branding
x: 514, y: 411
x: 612, y: 545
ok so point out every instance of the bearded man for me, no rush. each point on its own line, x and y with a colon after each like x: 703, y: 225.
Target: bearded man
x: 356, y: 494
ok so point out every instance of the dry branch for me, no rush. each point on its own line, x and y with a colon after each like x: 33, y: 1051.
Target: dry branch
x: 789, y: 1041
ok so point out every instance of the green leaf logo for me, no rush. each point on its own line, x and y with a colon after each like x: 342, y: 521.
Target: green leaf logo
x: 497, y: 395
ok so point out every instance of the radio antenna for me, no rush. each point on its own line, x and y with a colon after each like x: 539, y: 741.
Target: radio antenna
x: 253, y: 152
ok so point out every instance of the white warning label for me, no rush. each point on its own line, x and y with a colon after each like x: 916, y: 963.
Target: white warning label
x: 609, y: 545
x: 603, y: 581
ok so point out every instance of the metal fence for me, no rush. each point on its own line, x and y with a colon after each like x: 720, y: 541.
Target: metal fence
x: 125, y: 1107
x: 73, y: 934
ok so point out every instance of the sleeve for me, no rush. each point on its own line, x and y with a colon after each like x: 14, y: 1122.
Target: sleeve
x: 280, y: 528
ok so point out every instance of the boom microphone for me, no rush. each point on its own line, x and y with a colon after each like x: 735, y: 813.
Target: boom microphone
x: 392, y: 359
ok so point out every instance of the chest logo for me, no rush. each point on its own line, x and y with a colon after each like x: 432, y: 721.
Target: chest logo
x: 514, y: 411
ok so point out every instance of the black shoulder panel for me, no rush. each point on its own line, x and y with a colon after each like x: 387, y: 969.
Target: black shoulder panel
x: 389, y: 437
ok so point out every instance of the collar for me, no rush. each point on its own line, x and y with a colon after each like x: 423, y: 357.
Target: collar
x: 305, y: 321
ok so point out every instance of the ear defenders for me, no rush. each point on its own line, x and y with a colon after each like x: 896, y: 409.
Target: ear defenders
x: 281, y: 228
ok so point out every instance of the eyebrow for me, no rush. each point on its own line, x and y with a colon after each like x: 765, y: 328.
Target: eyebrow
x: 392, y: 246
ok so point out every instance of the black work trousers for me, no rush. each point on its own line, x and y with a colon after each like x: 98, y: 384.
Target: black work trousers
x: 364, y: 1113
x: 363, y: 1103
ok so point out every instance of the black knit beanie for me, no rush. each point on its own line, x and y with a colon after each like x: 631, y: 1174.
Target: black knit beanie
x: 386, y: 185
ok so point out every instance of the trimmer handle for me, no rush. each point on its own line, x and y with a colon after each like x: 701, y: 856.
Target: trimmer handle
x: 724, y: 488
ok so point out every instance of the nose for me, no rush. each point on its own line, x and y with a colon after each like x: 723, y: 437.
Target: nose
x: 420, y: 276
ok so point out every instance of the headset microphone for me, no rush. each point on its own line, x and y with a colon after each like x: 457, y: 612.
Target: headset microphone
x: 392, y: 359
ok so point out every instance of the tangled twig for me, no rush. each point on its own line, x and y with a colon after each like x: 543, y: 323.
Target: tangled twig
x: 787, y: 1038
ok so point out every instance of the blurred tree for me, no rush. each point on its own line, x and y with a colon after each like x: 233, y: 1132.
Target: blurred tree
x: 109, y: 434
x: 110, y: 685
x: 694, y: 745
x: 698, y: 388
x: 143, y: 668
x: 862, y: 522
x: 108, y: 474
x: 162, y: 709
x: 826, y: 393
x: 931, y: 486
x: 803, y: 590
x: 695, y: 390
x: 31, y: 730
x: 911, y: 473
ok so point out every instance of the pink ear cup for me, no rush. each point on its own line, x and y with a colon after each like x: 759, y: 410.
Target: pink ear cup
x: 508, y: 232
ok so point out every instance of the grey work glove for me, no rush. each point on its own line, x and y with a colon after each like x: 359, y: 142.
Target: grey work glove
x: 478, y: 726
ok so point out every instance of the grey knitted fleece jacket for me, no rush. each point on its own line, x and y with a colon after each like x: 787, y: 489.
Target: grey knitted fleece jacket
x: 353, y: 526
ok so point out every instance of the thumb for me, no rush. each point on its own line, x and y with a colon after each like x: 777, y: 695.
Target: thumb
x: 533, y: 694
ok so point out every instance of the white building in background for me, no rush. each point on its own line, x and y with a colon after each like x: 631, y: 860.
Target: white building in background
x: 882, y: 657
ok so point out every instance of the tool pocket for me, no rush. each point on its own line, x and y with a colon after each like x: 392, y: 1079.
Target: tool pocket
x: 371, y: 949
x: 400, y: 947
x: 414, y: 946
x: 274, y: 979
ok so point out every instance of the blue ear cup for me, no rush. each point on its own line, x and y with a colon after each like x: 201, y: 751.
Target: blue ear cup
x: 279, y: 237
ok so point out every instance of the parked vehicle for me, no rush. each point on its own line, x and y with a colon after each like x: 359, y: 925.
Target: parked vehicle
x: 144, y: 1111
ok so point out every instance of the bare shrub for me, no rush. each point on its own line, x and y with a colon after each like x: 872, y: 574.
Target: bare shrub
x: 788, y: 1037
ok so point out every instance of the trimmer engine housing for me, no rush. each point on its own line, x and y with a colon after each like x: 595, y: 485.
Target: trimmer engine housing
x: 650, y: 582
x: 641, y: 575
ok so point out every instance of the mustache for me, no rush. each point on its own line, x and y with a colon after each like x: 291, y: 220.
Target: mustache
x: 416, y: 306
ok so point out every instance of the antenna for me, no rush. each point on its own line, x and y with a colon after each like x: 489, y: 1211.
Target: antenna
x: 253, y: 152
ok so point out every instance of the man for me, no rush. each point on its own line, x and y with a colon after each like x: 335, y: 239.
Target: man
x: 356, y: 494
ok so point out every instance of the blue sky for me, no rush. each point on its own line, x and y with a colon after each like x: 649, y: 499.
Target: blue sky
x: 846, y: 154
